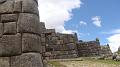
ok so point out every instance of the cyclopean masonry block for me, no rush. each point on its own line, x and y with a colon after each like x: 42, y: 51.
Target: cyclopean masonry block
x: 27, y: 60
x: 30, y: 7
x: 10, y: 45
x: 6, y: 7
x: 28, y: 23
x: 9, y: 17
x: 1, y: 29
x: 10, y: 28
x: 17, y: 6
x: 4, y: 62
x: 31, y: 43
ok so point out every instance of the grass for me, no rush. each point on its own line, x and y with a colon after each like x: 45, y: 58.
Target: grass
x: 87, y: 62
x: 55, y: 64
x: 107, y: 61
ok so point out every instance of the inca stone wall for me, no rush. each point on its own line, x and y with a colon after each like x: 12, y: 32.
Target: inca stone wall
x: 90, y: 48
x: 105, y: 50
x: 59, y: 45
x: 20, y: 34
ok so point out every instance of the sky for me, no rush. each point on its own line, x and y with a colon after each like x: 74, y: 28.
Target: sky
x: 90, y: 19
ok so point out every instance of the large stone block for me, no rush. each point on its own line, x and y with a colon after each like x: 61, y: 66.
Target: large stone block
x: 30, y: 6
x: 28, y: 23
x: 10, y: 45
x: 27, y: 60
x: 31, y: 43
x: 6, y: 7
x: 42, y: 27
x: 71, y: 46
x: 17, y: 6
x: 9, y: 17
x: 1, y: 29
x: 10, y: 28
x: 43, y: 49
x: 4, y: 62
x: 43, y: 39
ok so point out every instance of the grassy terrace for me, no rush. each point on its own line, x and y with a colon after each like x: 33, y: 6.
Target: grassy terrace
x: 85, y: 62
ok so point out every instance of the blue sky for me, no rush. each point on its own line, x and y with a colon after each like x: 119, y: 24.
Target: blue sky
x: 89, y: 18
x: 107, y: 10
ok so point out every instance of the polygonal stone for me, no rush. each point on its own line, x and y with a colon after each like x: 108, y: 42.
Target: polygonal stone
x: 17, y: 6
x: 29, y: 6
x: 27, y: 60
x: 6, y: 7
x: 28, y: 23
x: 4, y: 62
x: 1, y: 29
x: 43, y: 39
x: 9, y: 17
x: 10, y: 45
x: 42, y: 26
x: 10, y: 28
x: 43, y: 49
x: 71, y: 46
x: 31, y: 43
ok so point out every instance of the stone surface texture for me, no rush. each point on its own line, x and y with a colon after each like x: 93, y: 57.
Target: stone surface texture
x: 20, y: 34
x: 90, y: 48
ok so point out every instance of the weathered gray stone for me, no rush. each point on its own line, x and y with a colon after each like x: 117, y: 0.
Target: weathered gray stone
x: 42, y: 26
x: 2, y: 1
x: 17, y: 6
x: 28, y: 23
x: 9, y: 17
x: 6, y: 7
x: 71, y: 46
x: 43, y: 39
x: 4, y: 62
x: 1, y: 29
x: 29, y: 6
x: 27, y: 60
x: 10, y: 28
x: 43, y: 49
x: 10, y: 45
x: 31, y: 43
x: 118, y: 58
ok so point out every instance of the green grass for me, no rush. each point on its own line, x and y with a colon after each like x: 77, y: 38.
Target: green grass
x: 107, y: 61
x: 86, y: 61
x: 56, y: 64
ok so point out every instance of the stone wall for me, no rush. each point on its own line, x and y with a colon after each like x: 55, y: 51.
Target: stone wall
x: 105, y: 50
x: 90, y: 48
x: 60, y: 45
x: 20, y: 34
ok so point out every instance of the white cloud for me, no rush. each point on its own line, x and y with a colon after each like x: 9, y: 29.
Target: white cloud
x: 83, y: 23
x: 97, y: 21
x: 115, y: 31
x: 55, y: 12
x: 114, y: 42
